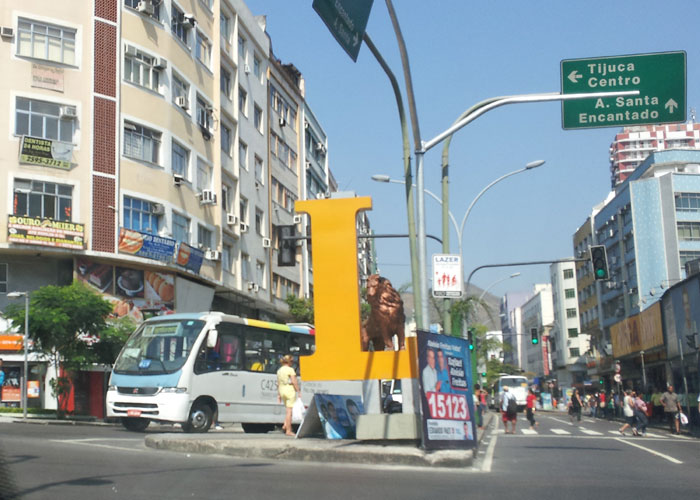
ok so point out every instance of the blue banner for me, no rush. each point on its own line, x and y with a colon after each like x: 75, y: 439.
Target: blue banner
x: 146, y: 245
x: 189, y: 257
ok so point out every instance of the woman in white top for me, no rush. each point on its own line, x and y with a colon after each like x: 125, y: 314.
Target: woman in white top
x: 628, y: 411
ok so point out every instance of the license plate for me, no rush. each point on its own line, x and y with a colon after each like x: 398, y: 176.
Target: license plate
x: 133, y: 413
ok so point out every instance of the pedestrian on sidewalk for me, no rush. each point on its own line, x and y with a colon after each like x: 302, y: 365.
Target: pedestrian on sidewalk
x: 287, y: 391
x: 657, y: 406
x: 509, y: 409
x: 672, y: 408
x: 640, y: 415
x: 478, y: 395
x: 575, y: 406
x: 628, y: 412
x: 530, y: 411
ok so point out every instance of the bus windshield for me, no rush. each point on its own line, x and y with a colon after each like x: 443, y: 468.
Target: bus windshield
x: 158, y: 347
x: 513, y: 382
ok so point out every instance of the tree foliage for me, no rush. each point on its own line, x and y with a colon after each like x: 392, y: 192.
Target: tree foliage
x: 301, y: 309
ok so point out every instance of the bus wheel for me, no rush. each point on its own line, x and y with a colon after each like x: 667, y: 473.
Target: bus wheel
x: 135, y: 424
x: 257, y: 428
x: 200, y: 418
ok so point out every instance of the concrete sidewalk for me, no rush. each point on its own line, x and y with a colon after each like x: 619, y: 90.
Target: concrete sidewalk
x: 275, y: 445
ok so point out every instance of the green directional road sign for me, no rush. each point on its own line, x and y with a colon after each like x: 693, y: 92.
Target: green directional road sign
x: 346, y: 20
x: 660, y: 79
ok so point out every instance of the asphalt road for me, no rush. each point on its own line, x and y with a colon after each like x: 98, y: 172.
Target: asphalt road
x: 558, y: 461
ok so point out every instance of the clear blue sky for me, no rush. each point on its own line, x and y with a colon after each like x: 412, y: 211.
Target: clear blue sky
x: 462, y: 52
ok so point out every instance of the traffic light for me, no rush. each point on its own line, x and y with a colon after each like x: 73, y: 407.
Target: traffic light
x: 471, y: 331
x: 535, y: 336
x: 287, y: 247
x: 483, y: 374
x: 599, y: 259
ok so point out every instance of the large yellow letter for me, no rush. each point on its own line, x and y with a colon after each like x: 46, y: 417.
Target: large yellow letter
x: 338, y: 353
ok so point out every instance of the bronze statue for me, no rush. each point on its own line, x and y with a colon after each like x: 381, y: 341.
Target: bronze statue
x: 386, y: 317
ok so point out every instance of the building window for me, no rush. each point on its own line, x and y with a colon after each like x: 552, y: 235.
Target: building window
x: 141, y: 143
x: 574, y: 352
x: 241, y: 50
x: 47, y: 200
x: 245, y: 267
x: 688, y: 202
x: 571, y: 313
x: 180, y: 160
x: 242, y: 101
x: 259, y: 171
x: 139, y: 216
x: 181, y: 89
x: 204, y: 237
x: 687, y: 255
x: 42, y: 119
x: 225, y: 82
x: 688, y: 231
x: 259, y: 222
x: 179, y: 26
x: 572, y: 332
x: 282, y: 196
x: 568, y: 274
x: 181, y: 228
x: 260, y: 274
x: 257, y: 68
x: 203, y: 113
x: 243, y: 154
x: 3, y: 278
x: 203, y: 176
x: 141, y: 69
x: 226, y: 258
x: 225, y: 27
x: 226, y: 139
x: 202, y: 49
x: 258, y: 118
x: 570, y: 293
x: 45, y: 41
x: 243, y: 210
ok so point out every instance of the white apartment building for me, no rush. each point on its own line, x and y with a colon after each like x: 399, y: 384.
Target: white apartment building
x: 537, y: 318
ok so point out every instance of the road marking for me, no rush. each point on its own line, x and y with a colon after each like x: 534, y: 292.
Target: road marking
x: 89, y: 442
x: 488, y: 459
x: 653, y: 452
x: 590, y: 432
x: 528, y: 431
x: 560, y: 431
x: 559, y: 420
x: 651, y: 435
x: 614, y: 432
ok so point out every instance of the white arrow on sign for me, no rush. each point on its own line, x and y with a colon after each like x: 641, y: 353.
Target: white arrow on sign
x: 355, y: 40
x: 574, y: 76
x: 670, y: 104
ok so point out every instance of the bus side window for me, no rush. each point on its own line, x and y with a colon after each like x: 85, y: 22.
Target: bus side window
x: 301, y: 345
x: 254, y: 360
x: 230, y: 353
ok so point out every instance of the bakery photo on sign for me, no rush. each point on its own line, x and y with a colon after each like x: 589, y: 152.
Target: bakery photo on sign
x: 136, y: 293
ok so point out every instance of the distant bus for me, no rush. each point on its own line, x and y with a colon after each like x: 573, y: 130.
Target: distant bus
x: 199, y: 368
x: 517, y: 385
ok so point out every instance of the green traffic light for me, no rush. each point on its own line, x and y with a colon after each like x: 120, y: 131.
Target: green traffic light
x: 600, y: 273
x: 471, y: 347
x: 483, y: 374
x: 535, y: 341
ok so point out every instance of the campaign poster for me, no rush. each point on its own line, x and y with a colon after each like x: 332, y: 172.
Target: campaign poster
x: 146, y: 245
x: 444, y: 368
x: 338, y: 414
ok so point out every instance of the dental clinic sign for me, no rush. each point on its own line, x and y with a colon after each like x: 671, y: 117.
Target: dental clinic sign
x: 447, y: 276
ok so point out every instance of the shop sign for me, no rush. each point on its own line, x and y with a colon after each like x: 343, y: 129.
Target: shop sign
x: 47, y: 77
x: 45, y: 152
x: 11, y: 342
x: 45, y: 232
x: 146, y: 245
x: 189, y: 257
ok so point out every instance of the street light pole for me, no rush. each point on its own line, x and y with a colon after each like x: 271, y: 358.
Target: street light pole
x: 25, y: 379
x: 514, y: 275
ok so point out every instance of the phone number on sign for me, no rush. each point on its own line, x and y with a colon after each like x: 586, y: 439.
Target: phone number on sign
x: 448, y: 406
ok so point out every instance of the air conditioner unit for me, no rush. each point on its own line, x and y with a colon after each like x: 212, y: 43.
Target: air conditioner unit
x: 178, y: 179
x: 306, y: 125
x: 321, y: 196
x: 267, y: 243
x: 246, y: 69
x: 130, y: 50
x: 250, y: 285
x: 256, y: 288
x: 212, y: 255
x: 297, y: 219
x: 205, y: 133
x: 189, y: 19
x: 308, y: 164
x: 207, y: 197
x: 157, y: 208
x: 7, y: 32
x: 611, y: 233
x: 231, y: 219
x: 161, y: 63
x: 69, y: 112
x: 244, y: 227
x: 320, y: 146
x: 283, y: 122
x: 613, y: 260
x: 145, y: 7
x: 181, y: 101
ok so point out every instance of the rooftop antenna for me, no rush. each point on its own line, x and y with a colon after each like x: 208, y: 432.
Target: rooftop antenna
x: 692, y: 115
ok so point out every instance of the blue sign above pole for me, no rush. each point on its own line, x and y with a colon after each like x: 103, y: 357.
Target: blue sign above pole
x: 346, y: 20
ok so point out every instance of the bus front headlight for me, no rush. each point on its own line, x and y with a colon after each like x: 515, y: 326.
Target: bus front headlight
x: 173, y: 390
